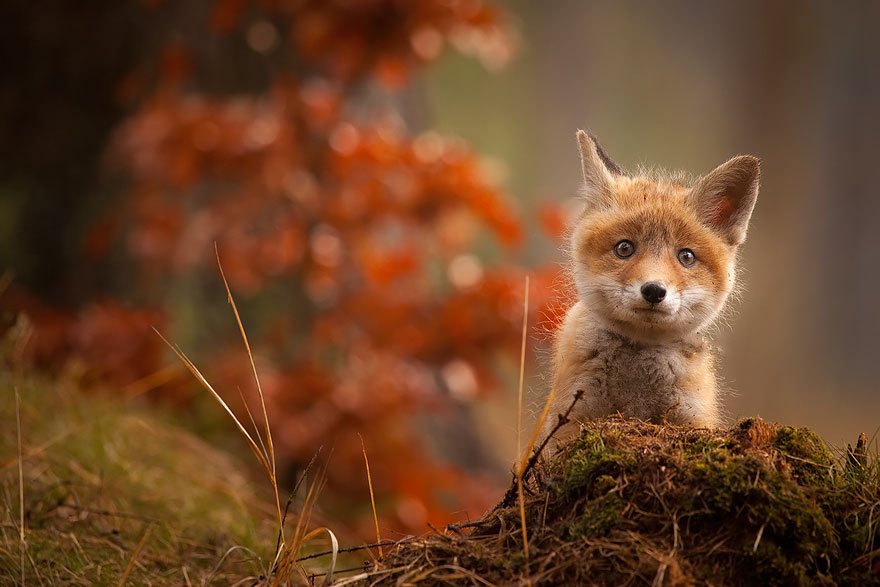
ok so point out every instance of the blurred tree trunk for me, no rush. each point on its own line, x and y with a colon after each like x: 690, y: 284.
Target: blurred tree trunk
x: 62, y: 65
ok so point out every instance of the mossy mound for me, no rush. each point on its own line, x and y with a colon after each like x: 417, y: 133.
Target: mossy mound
x: 629, y: 502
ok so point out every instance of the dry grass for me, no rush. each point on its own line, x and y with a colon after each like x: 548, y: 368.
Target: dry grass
x: 110, y: 492
x: 372, y: 498
x: 284, y: 567
x: 519, y: 398
x: 22, y: 544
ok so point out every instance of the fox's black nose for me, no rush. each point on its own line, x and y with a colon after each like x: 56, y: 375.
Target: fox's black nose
x: 654, y: 292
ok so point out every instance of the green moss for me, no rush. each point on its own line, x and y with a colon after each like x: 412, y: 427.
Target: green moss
x: 600, y: 517
x: 803, y: 443
x: 517, y: 560
x: 703, y: 445
x: 796, y: 537
x: 603, y: 484
x: 770, y: 564
x: 721, y: 485
x: 811, y: 460
x: 591, y: 459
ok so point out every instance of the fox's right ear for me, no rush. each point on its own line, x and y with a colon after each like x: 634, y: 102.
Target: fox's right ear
x: 724, y: 197
x: 599, y: 170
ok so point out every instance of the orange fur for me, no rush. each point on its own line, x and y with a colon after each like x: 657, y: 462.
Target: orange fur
x: 644, y: 359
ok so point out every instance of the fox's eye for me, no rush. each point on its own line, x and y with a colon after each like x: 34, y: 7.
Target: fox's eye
x: 624, y: 249
x: 686, y: 257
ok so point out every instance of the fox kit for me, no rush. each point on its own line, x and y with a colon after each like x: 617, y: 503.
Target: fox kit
x: 653, y: 261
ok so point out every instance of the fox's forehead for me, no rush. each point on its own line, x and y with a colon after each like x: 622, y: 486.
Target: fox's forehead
x: 656, y: 214
x: 632, y: 191
x: 656, y: 226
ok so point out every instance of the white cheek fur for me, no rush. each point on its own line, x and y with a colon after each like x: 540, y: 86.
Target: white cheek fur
x: 689, y: 309
x: 700, y: 306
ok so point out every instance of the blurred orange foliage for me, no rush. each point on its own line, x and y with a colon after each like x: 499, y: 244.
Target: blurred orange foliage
x: 315, y: 187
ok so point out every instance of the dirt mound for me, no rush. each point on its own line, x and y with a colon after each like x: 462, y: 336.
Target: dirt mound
x: 636, y: 503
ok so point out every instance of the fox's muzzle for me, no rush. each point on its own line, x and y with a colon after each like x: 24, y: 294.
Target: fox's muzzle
x: 654, y: 292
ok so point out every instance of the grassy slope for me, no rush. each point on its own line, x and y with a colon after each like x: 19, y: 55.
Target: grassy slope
x: 634, y: 503
x: 100, y: 478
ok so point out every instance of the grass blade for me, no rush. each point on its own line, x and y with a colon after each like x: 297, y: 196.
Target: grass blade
x: 201, y: 378
x: 522, y: 363
x: 134, y: 555
x: 372, y: 498
x: 334, y: 550
x: 270, y: 454
x: 22, y: 543
x: 251, y: 418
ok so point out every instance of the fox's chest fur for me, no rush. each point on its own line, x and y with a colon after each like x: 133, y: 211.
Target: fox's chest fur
x: 638, y: 380
x: 671, y: 381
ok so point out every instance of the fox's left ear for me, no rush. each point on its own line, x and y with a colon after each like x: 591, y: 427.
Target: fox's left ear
x: 599, y: 171
x: 724, y: 197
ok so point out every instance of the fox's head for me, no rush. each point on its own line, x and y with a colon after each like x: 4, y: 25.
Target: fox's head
x: 654, y: 258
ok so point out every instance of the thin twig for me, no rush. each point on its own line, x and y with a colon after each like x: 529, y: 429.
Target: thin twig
x: 474, y: 524
x: 561, y: 421
x: 279, y: 542
x: 357, y: 548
